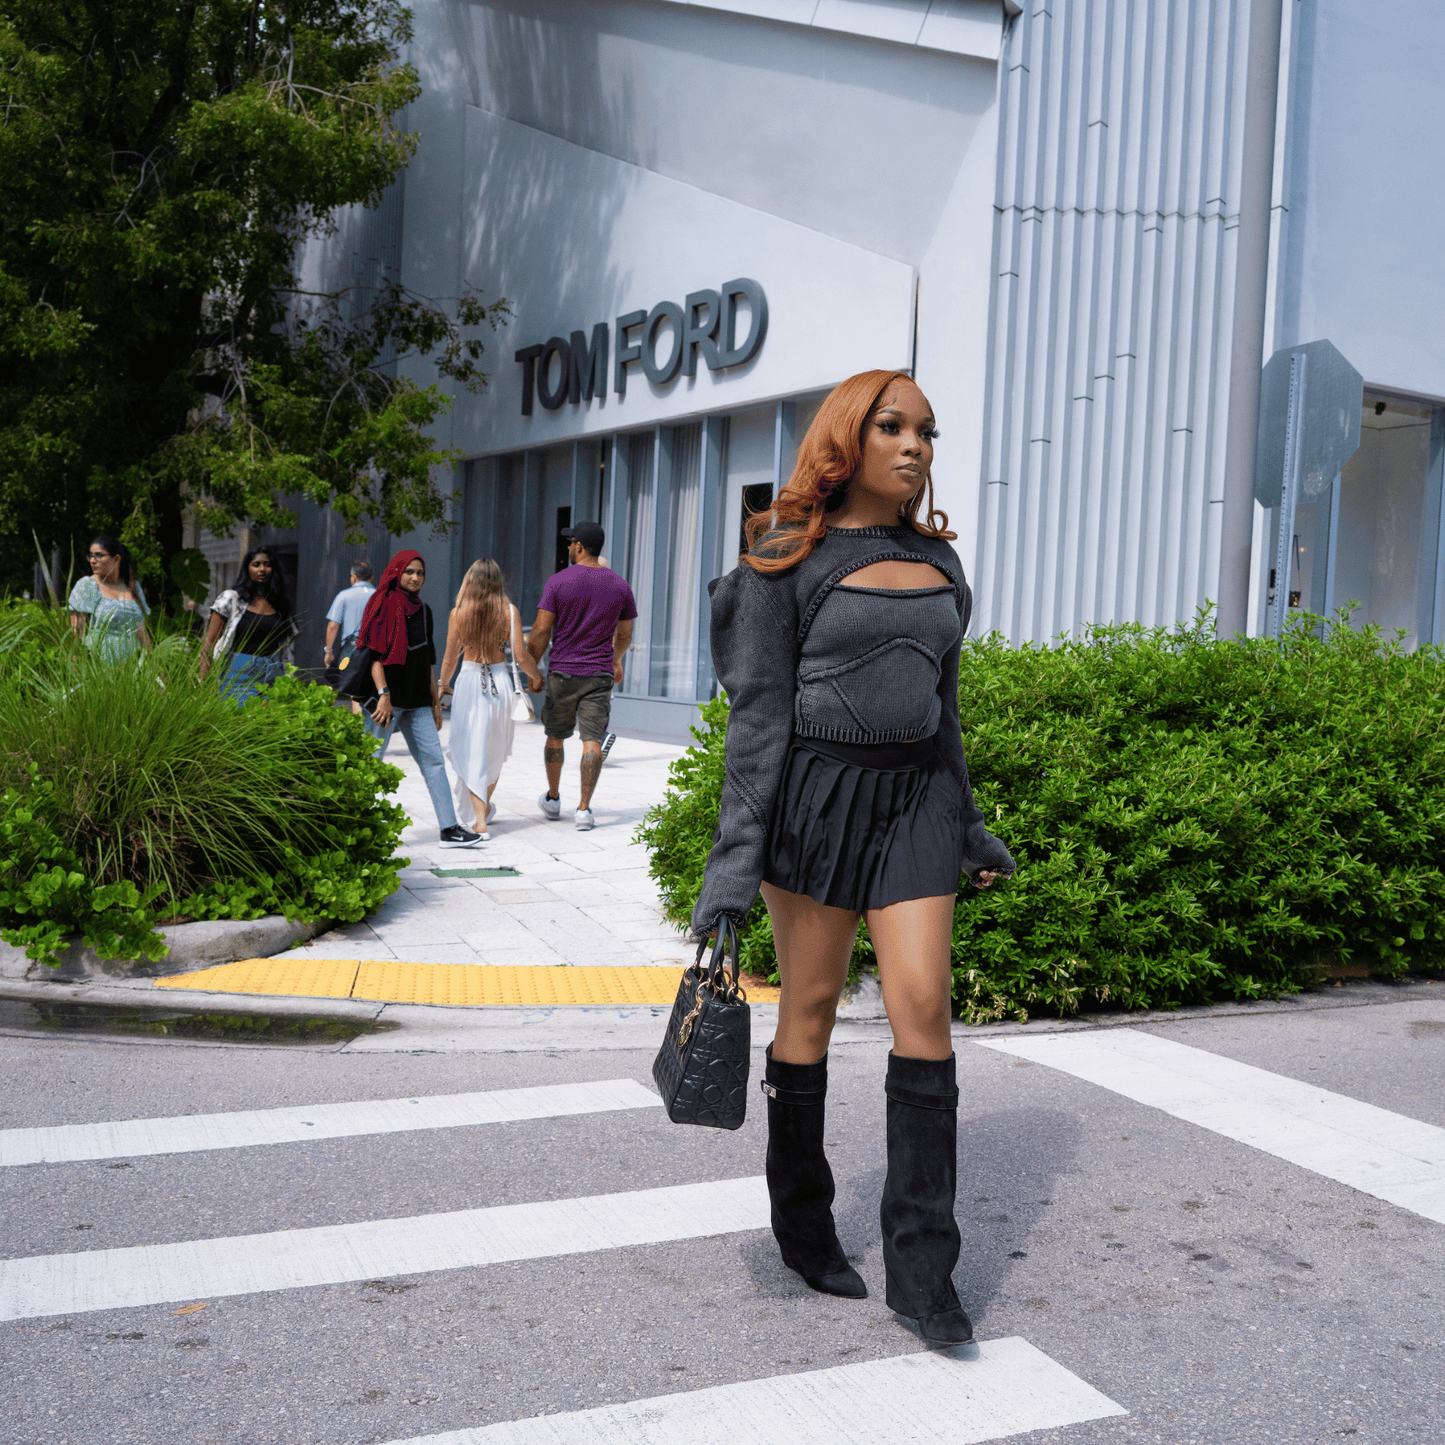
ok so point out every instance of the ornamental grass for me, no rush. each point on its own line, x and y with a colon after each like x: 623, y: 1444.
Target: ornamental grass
x: 136, y: 793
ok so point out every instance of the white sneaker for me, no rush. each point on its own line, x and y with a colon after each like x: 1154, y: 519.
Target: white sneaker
x: 551, y: 807
x: 585, y: 820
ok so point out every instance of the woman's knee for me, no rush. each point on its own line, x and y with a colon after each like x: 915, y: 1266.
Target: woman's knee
x: 819, y: 1006
x: 921, y: 1003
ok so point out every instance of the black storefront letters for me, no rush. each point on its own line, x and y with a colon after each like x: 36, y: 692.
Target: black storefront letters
x: 705, y: 324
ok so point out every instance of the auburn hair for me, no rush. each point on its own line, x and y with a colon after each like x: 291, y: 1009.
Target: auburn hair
x: 828, y: 460
x: 483, y: 609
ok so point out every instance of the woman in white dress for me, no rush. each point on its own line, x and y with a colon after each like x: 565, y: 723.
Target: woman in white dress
x: 481, y: 624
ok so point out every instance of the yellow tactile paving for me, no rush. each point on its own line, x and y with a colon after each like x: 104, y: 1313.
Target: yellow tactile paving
x: 464, y: 984
x: 470, y: 983
x: 311, y: 977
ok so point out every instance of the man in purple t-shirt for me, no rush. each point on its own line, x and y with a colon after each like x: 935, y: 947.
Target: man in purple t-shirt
x: 590, y: 609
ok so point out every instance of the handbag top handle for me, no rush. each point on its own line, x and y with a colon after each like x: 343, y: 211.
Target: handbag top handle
x: 724, y: 952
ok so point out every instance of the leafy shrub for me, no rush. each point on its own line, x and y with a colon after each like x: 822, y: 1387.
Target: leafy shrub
x: 45, y: 893
x: 166, y: 798
x: 1193, y: 819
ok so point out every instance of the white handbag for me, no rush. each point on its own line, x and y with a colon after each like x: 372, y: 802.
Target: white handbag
x: 521, y: 705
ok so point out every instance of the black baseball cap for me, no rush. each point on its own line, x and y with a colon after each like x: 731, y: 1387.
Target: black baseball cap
x: 589, y: 534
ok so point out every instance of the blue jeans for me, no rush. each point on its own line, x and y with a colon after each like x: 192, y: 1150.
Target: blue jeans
x: 419, y: 729
x: 247, y: 672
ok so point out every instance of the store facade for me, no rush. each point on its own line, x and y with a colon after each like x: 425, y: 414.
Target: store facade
x: 703, y: 216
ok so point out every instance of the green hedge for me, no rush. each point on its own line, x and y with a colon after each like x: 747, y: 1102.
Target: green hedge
x: 135, y: 793
x: 1193, y: 819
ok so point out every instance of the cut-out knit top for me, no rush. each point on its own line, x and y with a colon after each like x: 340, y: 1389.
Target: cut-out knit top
x: 803, y: 653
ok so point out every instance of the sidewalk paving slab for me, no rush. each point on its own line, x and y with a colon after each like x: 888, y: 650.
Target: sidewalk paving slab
x: 576, y: 899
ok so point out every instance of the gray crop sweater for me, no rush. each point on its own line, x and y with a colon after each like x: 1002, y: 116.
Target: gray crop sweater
x: 799, y: 658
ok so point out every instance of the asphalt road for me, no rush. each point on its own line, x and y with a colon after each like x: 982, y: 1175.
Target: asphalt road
x: 1212, y: 1290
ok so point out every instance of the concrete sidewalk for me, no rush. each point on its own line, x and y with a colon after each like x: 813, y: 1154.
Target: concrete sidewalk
x: 579, y: 898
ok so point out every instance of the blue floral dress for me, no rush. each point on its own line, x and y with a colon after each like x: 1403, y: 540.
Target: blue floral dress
x: 111, y: 623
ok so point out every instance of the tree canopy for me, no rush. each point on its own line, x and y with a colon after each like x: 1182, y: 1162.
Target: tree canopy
x: 161, y: 164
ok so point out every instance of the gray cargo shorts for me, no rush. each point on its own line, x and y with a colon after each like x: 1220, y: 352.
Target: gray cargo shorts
x: 585, y: 702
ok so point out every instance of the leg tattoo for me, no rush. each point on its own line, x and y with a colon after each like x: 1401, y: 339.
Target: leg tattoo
x: 591, y: 770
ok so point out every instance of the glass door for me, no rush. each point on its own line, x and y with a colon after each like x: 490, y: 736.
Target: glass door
x: 1386, y: 548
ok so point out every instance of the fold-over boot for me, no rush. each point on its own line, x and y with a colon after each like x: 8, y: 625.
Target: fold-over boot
x: 920, y: 1235
x: 800, y: 1183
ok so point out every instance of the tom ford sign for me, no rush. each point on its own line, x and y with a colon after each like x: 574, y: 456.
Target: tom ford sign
x: 575, y: 369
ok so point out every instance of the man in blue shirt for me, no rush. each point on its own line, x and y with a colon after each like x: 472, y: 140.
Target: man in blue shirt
x: 343, y: 618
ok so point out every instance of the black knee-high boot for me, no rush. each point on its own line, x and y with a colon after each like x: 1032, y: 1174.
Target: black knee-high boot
x: 800, y: 1183
x: 920, y: 1235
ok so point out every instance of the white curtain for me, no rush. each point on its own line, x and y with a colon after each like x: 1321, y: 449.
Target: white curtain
x: 674, y: 659
x: 638, y: 567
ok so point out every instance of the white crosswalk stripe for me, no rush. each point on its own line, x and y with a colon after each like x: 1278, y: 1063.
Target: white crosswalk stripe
x: 1388, y: 1155
x: 972, y: 1394
x: 992, y: 1391
x: 249, y: 1128
x: 106, y: 1279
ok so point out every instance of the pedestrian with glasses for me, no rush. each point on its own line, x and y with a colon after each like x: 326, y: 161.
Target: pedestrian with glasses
x: 108, y: 609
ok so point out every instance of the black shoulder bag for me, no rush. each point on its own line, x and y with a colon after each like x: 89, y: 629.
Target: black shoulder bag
x: 356, y: 679
x: 701, y: 1070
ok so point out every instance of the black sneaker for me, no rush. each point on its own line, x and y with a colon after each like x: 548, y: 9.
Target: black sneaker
x: 607, y: 745
x: 457, y: 837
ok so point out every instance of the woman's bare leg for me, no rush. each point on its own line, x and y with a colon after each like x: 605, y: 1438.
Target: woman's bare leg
x: 482, y: 810
x: 913, y: 942
x: 814, y: 944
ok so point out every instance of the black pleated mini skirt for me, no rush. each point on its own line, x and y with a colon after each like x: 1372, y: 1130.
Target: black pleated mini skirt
x: 861, y: 827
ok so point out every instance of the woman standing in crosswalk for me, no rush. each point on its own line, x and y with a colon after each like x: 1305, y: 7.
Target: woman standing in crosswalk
x: 846, y: 794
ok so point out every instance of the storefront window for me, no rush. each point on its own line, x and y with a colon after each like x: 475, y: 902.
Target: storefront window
x: 505, y: 543
x: 674, y: 647
x: 752, y: 440
x: 672, y: 500
x: 1387, y: 535
x: 548, y: 546
x: 637, y: 564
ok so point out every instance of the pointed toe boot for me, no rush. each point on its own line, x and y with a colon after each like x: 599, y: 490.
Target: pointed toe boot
x: 800, y: 1183
x: 920, y: 1235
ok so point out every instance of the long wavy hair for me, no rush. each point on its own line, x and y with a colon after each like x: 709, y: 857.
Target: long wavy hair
x: 274, y: 591
x: 484, y: 611
x: 828, y: 460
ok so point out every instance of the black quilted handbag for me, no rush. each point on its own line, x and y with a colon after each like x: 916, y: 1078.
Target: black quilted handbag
x: 701, y: 1070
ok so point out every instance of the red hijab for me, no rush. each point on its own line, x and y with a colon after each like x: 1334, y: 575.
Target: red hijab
x: 383, y: 624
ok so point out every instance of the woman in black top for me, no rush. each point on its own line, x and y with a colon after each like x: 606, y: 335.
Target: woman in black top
x: 846, y: 794
x: 397, y: 627
x: 251, y: 628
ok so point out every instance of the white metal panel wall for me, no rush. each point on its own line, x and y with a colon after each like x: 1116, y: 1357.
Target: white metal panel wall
x: 1121, y: 128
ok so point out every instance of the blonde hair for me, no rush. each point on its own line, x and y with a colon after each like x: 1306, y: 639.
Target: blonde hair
x: 483, y: 609
x: 828, y: 459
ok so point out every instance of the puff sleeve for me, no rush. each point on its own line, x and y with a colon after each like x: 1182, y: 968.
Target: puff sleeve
x: 755, y: 653
x: 981, y: 850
